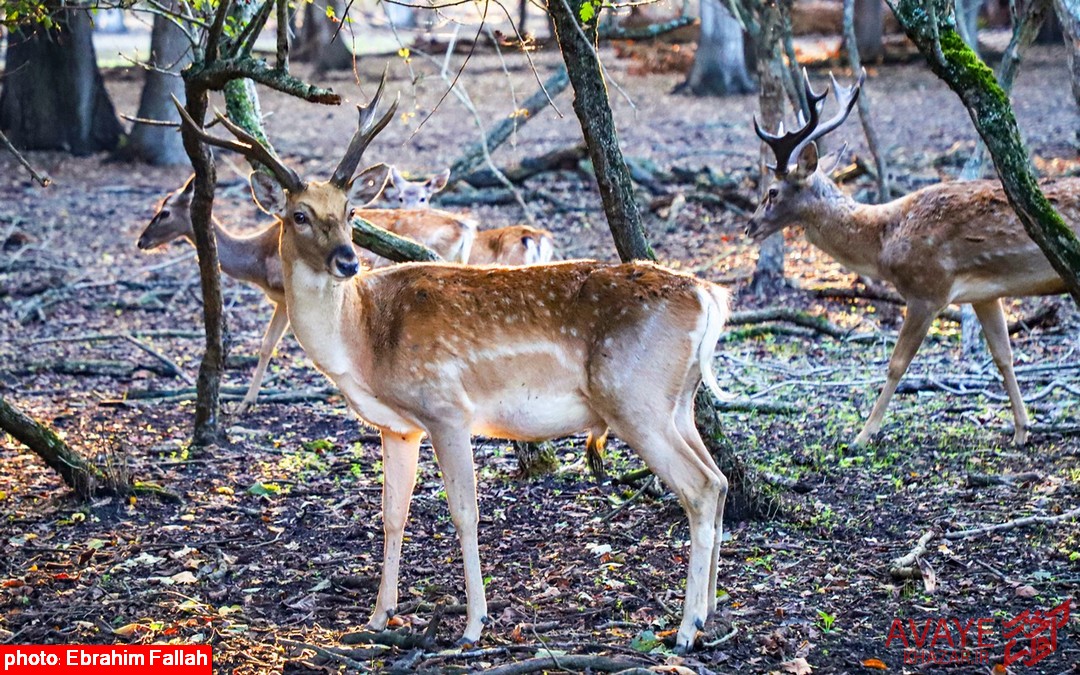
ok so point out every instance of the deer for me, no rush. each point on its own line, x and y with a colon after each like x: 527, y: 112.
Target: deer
x: 528, y: 353
x: 952, y: 242
x: 254, y: 258
x: 512, y: 245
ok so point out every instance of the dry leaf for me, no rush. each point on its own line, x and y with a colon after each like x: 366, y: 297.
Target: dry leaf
x: 131, y: 629
x: 184, y: 577
x: 797, y: 666
x: 929, y: 578
x: 876, y: 664
x: 1026, y: 591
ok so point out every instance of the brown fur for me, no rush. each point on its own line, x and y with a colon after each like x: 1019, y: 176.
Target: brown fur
x: 507, y: 245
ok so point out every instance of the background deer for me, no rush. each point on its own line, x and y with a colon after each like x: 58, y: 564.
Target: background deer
x: 524, y: 353
x: 513, y: 245
x: 957, y: 242
x: 255, y: 259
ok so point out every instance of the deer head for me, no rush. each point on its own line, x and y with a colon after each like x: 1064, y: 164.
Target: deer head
x: 314, y: 215
x: 171, y: 220
x: 402, y: 193
x: 797, y: 188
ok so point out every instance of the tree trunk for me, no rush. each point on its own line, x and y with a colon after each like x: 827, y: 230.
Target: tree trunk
x: 315, y: 44
x: 53, y: 95
x: 593, y: 110
x: 719, y: 66
x: 854, y: 49
x: 81, y: 476
x: 769, y: 272
x: 967, y: 24
x: 869, y: 20
x: 928, y: 27
x: 169, y: 51
x: 1068, y: 13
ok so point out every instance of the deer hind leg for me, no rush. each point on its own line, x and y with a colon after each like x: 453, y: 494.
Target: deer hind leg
x: 920, y: 315
x: 992, y: 318
x: 453, y: 450
x: 684, y: 420
x: 274, y: 330
x: 698, y: 487
x: 400, y: 455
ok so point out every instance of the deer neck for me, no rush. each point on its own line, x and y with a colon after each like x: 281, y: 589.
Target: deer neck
x: 245, y: 257
x: 848, y: 231
x: 325, y: 314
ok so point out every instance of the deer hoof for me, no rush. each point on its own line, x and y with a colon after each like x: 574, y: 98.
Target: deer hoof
x: 464, y: 643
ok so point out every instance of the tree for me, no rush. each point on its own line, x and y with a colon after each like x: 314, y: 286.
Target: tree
x: 320, y: 41
x: 1068, y: 13
x: 53, y: 95
x: 930, y: 27
x: 170, y: 52
x: 719, y: 66
x: 869, y: 24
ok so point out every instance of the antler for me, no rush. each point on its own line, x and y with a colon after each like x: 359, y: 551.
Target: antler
x: 788, y: 145
x: 367, y: 129
x: 248, y: 146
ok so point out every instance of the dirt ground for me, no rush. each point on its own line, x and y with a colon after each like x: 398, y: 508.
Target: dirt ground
x: 277, y: 539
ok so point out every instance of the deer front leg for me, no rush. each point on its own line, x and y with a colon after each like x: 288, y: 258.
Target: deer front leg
x: 400, y: 454
x: 453, y: 450
x: 274, y: 330
x: 920, y: 314
x: 996, y: 329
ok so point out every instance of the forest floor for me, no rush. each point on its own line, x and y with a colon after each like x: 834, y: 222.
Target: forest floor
x: 277, y: 540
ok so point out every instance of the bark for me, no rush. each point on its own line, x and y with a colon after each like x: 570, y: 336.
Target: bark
x: 989, y: 109
x: 53, y: 95
x: 389, y: 245
x: 474, y: 154
x: 317, y: 42
x: 768, y: 25
x: 854, y: 49
x: 157, y: 145
x: 868, y: 22
x: 81, y: 476
x: 578, y: 45
x: 1068, y: 14
x: 719, y: 66
x: 967, y: 25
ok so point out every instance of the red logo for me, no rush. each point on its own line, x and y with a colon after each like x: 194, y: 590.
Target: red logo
x: 1028, y: 638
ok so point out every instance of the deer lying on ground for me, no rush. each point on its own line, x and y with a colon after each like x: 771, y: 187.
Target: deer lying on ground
x: 513, y: 245
x: 957, y: 242
x: 255, y: 259
x: 524, y: 353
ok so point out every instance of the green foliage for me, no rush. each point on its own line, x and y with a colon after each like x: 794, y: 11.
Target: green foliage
x: 588, y: 10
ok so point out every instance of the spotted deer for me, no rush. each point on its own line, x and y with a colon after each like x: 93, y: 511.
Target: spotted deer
x: 953, y: 242
x: 513, y: 245
x: 529, y: 353
x: 254, y: 258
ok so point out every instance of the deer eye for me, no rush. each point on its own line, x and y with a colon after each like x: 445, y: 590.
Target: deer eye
x: 300, y: 218
x: 423, y: 200
x: 352, y: 213
x: 401, y: 200
x: 773, y: 192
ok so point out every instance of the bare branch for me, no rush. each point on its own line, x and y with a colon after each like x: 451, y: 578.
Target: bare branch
x: 41, y: 179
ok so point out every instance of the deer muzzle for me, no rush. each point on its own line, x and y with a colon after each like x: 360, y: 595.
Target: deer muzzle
x: 343, y: 263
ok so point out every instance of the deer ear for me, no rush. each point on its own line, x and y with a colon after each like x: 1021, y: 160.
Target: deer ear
x: 189, y: 186
x: 439, y: 180
x: 807, y: 162
x: 367, y: 185
x: 267, y: 192
x: 396, y: 178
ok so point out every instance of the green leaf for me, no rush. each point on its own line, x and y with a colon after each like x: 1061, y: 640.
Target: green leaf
x: 587, y: 11
x: 645, y: 641
x: 264, y: 489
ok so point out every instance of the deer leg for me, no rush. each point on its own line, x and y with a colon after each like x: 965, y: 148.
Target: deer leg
x: 698, y: 487
x: 453, y: 450
x: 274, y: 330
x: 688, y: 430
x: 996, y: 329
x: 920, y: 315
x: 400, y: 455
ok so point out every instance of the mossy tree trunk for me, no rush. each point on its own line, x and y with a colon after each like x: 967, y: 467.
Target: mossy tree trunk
x: 930, y: 26
x: 80, y: 475
x: 593, y: 110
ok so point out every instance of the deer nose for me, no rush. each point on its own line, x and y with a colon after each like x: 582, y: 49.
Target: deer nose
x: 343, y: 262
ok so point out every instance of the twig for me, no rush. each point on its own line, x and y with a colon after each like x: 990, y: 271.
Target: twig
x: 1009, y: 479
x: 41, y: 179
x: 1013, y: 524
x: 884, y: 192
x: 818, y: 324
x: 626, y: 502
x: 578, y: 662
x: 906, y: 566
x: 169, y: 363
x: 326, y: 653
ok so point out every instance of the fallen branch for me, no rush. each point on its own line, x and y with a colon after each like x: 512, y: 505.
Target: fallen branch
x: 166, y: 361
x: 906, y: 566
x: 1010, y: 479
x: 562, y: 159
x: 1027, y: 521
x: 389, y: 245
x: 41, y: 179
x: 615, y: 32
x: 817, y: 324
x: 579, y: 662
x: 326, y: 653
x: 92, y: 367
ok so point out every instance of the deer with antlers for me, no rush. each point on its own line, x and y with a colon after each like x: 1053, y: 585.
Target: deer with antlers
x: 512, y: 245
x: 254, y: 258
x: 954, y: 242
x: 527, y: 353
